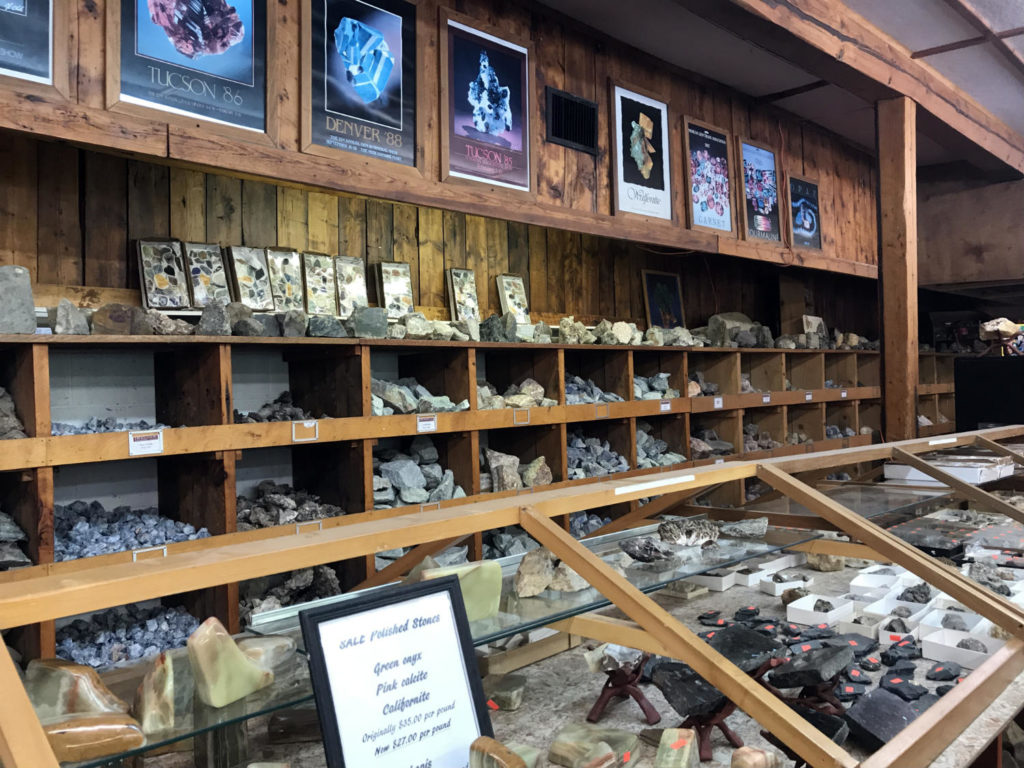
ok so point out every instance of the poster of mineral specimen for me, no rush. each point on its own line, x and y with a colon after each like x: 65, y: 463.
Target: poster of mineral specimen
x: 488, y: 108
x: 708, y: 177
x: 462, y: 298
x: 350, y: 274
x: 803, y: 204
x: 395, y: 288
x: 761, y: 193
x: 26, y: 39
x: 202, y: 58
x: 364, y: 77
x: 207, y: 276
x: 641, y: 155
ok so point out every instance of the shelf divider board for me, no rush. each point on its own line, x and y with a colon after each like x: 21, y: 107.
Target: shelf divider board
x: 193, y: 385
x: 28, y: 379
x: 321, y: 380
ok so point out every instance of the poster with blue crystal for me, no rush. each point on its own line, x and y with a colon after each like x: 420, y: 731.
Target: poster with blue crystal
x: 803, y: 203
x: 488, y: 108
x: 641, y: 155
x: 26, y: 49
x: 200, y: 58
x: 363, y: 84
x: 761, y: 190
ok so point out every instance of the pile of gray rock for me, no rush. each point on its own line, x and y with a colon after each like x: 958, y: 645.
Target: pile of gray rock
x: 505, y: 473
x: 280, y: 505
x: 579, y: 391
x: 571, y: 331
x: 703, y: 386
x: 83, y: 529
x: 755, y: 489
x: 109, y: 424
x: 653, y: 452
x: 705, y: 443
x: 798, y: 437
x: 735, y: 329
x: 654, y: 387
x: 506, y: 329
x: 503, y: 542
x: 585, y: 523
x: 454, y: 555
x: 412, y: 477
x: 10, y: 425
x: 416, y: 327
x: 812, y: 340
x: 409, y: 396
x: 273, y: 592
x: 592, y: 457
x: 11, y: 555
x: 527, y: 394
x: 125, y: 633
x: 833, y: 432
x: 280, y: 409
x: 756, y: 440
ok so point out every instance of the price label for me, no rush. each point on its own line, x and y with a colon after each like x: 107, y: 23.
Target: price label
x: 843, y: 393
x: 146, y: 443
x: 664, y: 406
x: 719, y: 461
x: 765, y: 399
x: 719, y: 403
x: 426, y: 423
x: 808, y: 396
x: 305, y: 431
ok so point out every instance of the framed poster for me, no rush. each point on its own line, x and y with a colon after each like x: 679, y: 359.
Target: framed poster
x: 761, y: 218
x: 512, y: 297
x: 394, y: 288
x: 642, y: 176
x: 487, y: 109
x: 363, y: 77
x: 321, y: 289
x: 395, y: 678
x: 208, y: 279
x: 251, y: 277
x: 462, y: 299
x: 350, y: 273
x: 202, y: 58
x: 26, y: 40
x: 162, y: 275
x: 663, y: 299
x: 708, y: 176
x: 804, y: 220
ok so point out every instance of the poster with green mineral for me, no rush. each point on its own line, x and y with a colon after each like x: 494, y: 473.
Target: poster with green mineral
x: 199, y: 58
x: 26, y: 39
x: 363, y: 83
x: 488, y: 108
x: 642, y: 175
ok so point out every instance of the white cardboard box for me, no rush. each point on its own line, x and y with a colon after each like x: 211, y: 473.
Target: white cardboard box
x: 750, y: 579
x: 869, y: 628
x: 883, y: 608
x: 714, y: 583
x: 934, y: 619
x: 941, y: 646
x: 771, y: 587
x: 886, y: 638
x: 802, y: 611
x: 866, y: 583
x: 975, y: 475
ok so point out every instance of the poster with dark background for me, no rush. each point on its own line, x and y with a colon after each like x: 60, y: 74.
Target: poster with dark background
x: 641, y: 168
x: 761, y: 190
x: 25, y: 39
x: 709, y: 178
x: 489, y: 132
x: 364, y: 77
x: 196, y: 57
x: 803, y: 202
x: 630, y: 170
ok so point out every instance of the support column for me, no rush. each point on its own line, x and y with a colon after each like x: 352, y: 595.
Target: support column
x: 897, y: 236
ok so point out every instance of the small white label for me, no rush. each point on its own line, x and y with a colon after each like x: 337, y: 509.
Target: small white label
x: 665, y: 406
x: 843, y: 393
x: 765, y: 399
x: 146, y: 443
x: 426, y: 423
x: 943, y: 441
x: 808, y: 396
x: 649, y: 484
x: 719, y: 403
x: 305, y: 431
x: 719, y: 461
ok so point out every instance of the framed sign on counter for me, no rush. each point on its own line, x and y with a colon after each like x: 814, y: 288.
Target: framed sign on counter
x: 395, y: 678
x: 761, y: 192
x: 641, y: 149
x: 360, y: 73
x: 485, y: 106
x: 708, y: 169
x: 26, y: 40
x: 196, y: 58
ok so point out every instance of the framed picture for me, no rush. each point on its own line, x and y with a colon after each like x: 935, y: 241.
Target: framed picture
x: 26, y: 39
x: 761, y: 216
x: 486, y: 114
x: 708, y: 177
x: 462, y: 298
x: 350, y: 276
x: 251, y: 277
x: 285, y: 279
x: 321, y: 291
x: 208, y: 279
x: 642, y: 175
x: 395, y: 288
x: 162, y: 274
x: 362, y: 77
x: 513, y: 298
x: 395, y: 678
x: 804, y: 219
x: 663, y: 299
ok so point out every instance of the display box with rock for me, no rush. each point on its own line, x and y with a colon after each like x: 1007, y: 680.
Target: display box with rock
x: 806, y: 423
x: 518, y: 458
x: 763, y: 372
x: 716, y: 373
x: 421, y: 470
x: 714, y: 435
x: 284, y: 589
x: 506, y: 371
x: 840, y: 370
x: 763, y: 430
x: 662, y: 370
x: 660, y: 442
x: 434, y: 381
x: 598, y: 451
x: 596, y: 376
x: 841, y: 419
x: 527, y: 394
x: 805, y: 371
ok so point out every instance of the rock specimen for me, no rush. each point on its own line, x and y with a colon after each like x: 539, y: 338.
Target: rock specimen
x: 223, y: 674
x: 281, y: 505
x: 897, y: 625
x: 88, y: 737
x: 480, y: 583
x: 954, y: 621
x: 198, y: 27
x: 579, y: 391
x: 326, y: 327
x: 528, y: 394
x: 369, y: 322
x: 794, y: 594
x: 11, y: 555
x: 18, y: 309
x: 11, y: 427
x: 535, y: 572
x: 823, y: 606
x: 972, y: 644
x: 653, y: 388
x: 756, y: 440
x: 507, y: 693
x: 987, y: 575
x: 59, y: 688
x: 409, y: 396
x: 906, y: 648
x: 585, y: 523
x: 214, y: 321
x: 86, y: 530
x: 154, y: 700
x: 705, y: 443
x: 110, y: 424
x: 282, y: 408
x: 69, y: 320
x: 124, y: 633
x: 653, y: 452
x: 503, y: 542
x: 413, y: 478
x: 678, y: 748
x: 591, y: 457
x: 919, y: 593
x: 567, y: 580
x: 944, y: 670
x: 300, y: 586
x: 269, y: 652
x: 811, y: 668
x: 485, y: 752
x: 902, y: 687
x: 646, y: 549
x: 754, y: 528
x: 573, y: 741
x: 111, y: 319
x: 536, y: 473
x: 749, y: 757
x: 504, y: 471
x: 877, y: 717
x: 689, y: 533
x: 825, y: 563
x: 293, y: 323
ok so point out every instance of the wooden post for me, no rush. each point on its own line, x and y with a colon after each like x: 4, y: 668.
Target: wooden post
x: 897, y: 236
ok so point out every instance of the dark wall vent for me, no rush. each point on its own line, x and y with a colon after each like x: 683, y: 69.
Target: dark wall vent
x: 572, y: 121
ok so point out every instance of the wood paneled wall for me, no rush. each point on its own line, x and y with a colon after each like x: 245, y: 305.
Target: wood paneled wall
x: 71, y: 217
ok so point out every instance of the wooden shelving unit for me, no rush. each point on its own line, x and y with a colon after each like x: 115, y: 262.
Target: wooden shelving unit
x: 207, y: 459
x: 935, y: 392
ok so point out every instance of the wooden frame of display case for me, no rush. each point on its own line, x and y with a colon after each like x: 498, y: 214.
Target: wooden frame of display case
x: 46, y: 596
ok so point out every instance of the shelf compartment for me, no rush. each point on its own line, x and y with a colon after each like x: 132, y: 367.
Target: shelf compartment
x: 767, y: 370
x: 869, y: 369
x: 458, y: 452
x: 869, y: 414
x: 727, y: 425
x: 947, y: 407
x: 674, y: 431
x: 842, y: 415
x: 652, y: 361
x: 25, y: 373
x: 611, y: 369
x: 926, y: 368
x: 770, y: 420
x: 447, y: 370
x: 506, y: 367
x: 621, y: 437
x: 841, y: 369
x: 527, y: 444
x: 721, y: 368
x: 805, y: 371
x: 808, y: 419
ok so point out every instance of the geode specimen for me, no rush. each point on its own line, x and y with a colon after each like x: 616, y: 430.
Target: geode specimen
x: 640, y: 146
x: 367, y: 58
x: 490, y: 100
x: 198, y: 27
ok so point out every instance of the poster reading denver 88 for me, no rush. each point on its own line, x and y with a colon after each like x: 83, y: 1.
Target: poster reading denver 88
x: 25, y: 39
x: 363, y: 84
x: 202, y: 58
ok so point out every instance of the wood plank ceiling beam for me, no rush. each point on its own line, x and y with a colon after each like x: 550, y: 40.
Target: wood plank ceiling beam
x: 969, y: 12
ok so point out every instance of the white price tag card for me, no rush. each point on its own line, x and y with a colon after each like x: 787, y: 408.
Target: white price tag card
x: 395, y: 678
x: 305, y: 431
x: 719, y: 461
x: 719, y: 403
x: 664, y: 406
x: 843, y: 393
x: 808, y: 396
x: 765, y: 399
x: 148, y: 443
x: 426, y: 423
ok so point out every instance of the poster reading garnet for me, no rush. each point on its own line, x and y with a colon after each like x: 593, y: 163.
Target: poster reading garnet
x: 488, y: 107
x: 761, y: 190
x: 364, y: 77
x: 25, y: 39
x: 202, y: 58
x: 641, y: 155
x: 710, y: 201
